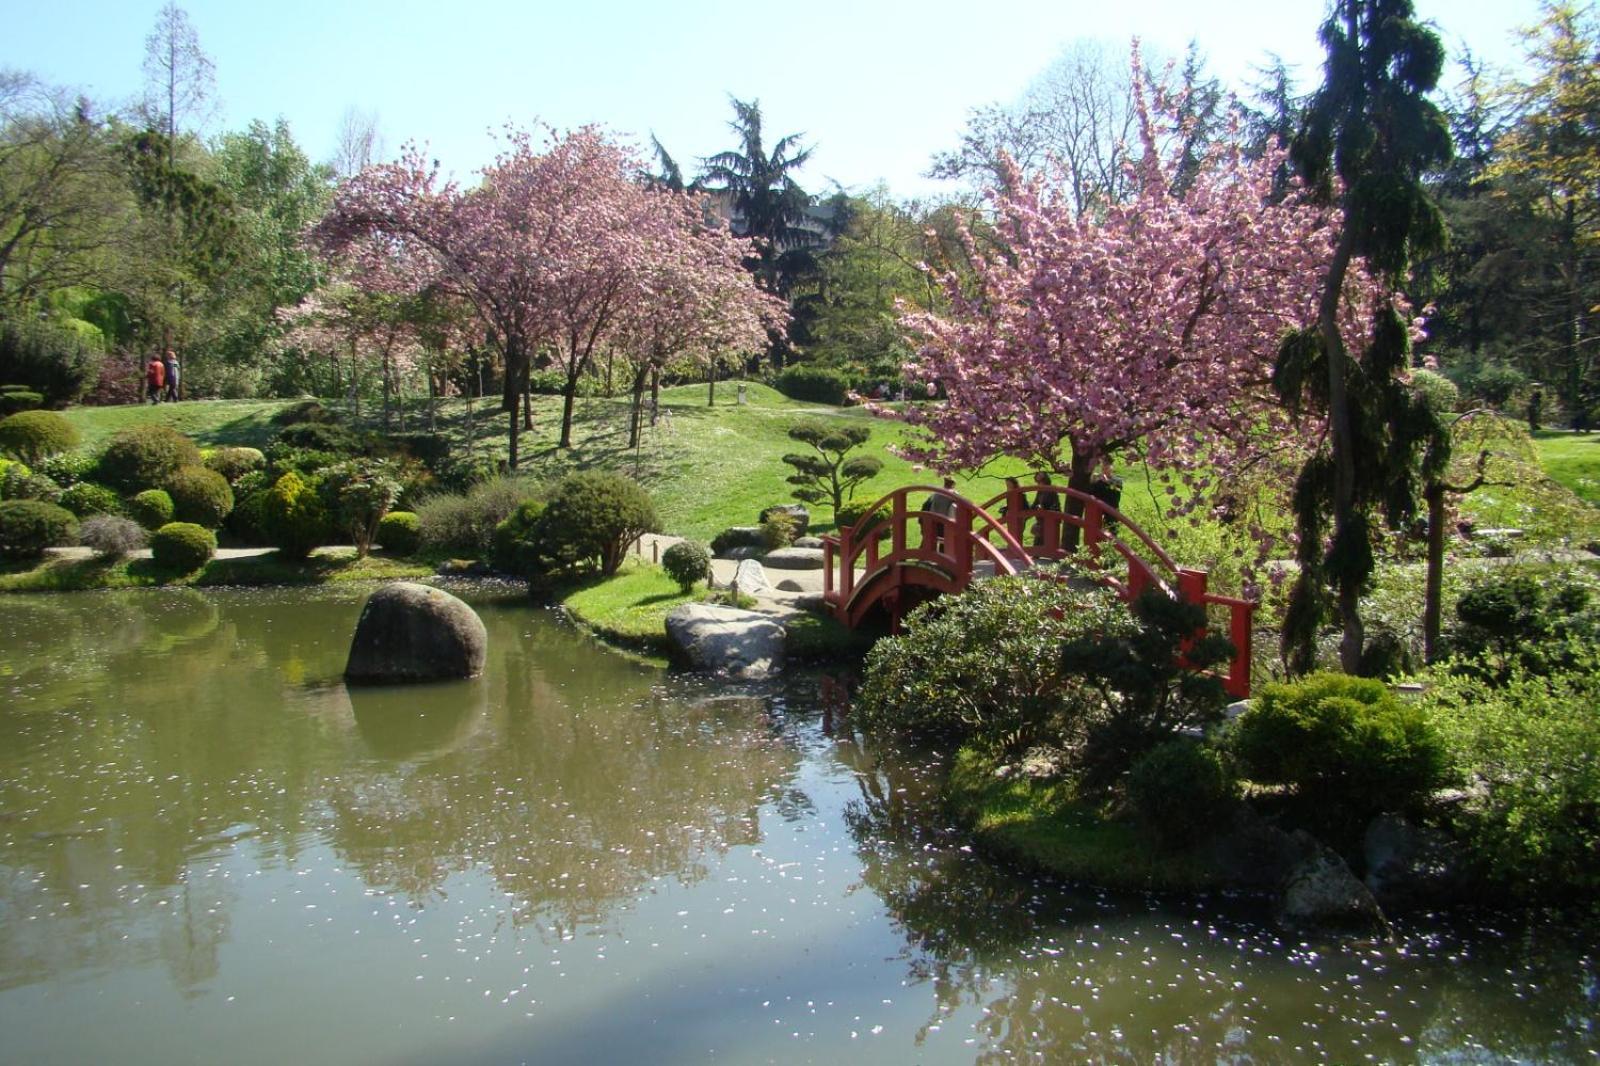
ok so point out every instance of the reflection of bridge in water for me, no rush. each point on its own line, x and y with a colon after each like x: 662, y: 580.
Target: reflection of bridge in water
x: 899, y: 555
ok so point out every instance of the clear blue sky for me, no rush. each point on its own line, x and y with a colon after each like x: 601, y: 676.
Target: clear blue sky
x: 876, y: 85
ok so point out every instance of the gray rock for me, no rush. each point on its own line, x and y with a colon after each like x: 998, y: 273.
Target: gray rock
x: 1409, y: 866
x: 807, y: 542
x: 794, y: 559
x: 411, y: 632
x: 812, y: 601
x: 1321, y: 891
x: 789, y: 584
x: 798, y: 512
x: 750, y: 579
x: 743, y: 552
x: 724, y: 544
x: 726, y: 640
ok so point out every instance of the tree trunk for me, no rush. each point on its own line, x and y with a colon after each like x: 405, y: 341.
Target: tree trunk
x: 527, y: 398
x: 1434, y: 593
x: 1080, y: 477
x: 568, y: 399
x: 511, y: 440
x: 636, y: 420
x: 1344, y: 478
x: 655, y: 395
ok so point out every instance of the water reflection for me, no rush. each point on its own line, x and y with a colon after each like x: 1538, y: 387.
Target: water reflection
x: 1064, y: 976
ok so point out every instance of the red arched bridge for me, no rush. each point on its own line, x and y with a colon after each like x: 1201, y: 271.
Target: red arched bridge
x: 899, y: 554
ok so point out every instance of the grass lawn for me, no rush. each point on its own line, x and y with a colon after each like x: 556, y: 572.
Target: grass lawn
x: 1573, y: 459
x: 210, y: 422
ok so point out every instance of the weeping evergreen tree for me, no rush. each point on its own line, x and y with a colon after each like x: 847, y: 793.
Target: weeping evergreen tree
x: 1366, y: 139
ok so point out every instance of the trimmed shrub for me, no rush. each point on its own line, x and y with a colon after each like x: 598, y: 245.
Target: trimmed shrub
x: 464, y: 525
x: 33, y: 436
x: 985, y: 665
x: 182, y: 547
x: 142, y: 456
x: 399, y: 532
x: 151, y: 508
x: 17, y: 401
x: 28, y: 527
x: 112, y: 536
x: 686, y: 562
x: 244, y: 522
x: 1345, y: 743
x: 20, y: 483
x: 594, y: 516
x: 317, y: 437
x: 235, y: 463
x: 777, y: 530
x: 737, y: 537
x: 1520, y: 621
x: 199, y: 496
x: 516, y: 541
x: 293, y: 517
x: 1181, y: 792
x: 69, y: 468
x: 813, y: 384
x: 852, y: 512
x: 1530, y: 743
x: 86, y: 498
x: 57, y: 363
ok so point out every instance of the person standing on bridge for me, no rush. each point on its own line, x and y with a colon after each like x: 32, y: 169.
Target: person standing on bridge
x: 942, y: 504
x: 1044, y: 499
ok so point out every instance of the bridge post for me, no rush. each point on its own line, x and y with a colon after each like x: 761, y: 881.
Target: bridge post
x: 847, y: 566
x: 1192, y: 586
x: 958, y: 540
x: 1239, y: 631
x: 827, y: 566
x: 899, y: 540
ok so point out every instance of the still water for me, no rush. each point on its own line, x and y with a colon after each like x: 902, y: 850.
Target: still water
x: 212, y: 851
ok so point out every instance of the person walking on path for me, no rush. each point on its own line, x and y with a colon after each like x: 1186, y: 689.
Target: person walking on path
x: 155, y: 379
x: 1044, y: 499
x: 169, y: 362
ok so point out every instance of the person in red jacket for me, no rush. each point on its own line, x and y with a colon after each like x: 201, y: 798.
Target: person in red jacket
x: 155, y: 378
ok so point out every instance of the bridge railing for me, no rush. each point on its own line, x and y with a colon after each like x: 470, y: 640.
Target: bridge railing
x: 953, y: 544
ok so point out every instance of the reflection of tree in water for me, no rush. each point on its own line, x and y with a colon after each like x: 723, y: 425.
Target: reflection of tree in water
x: 581, y: 786
x: 1060, y: 976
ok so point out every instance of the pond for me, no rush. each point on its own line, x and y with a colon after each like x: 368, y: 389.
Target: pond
x: 211, y: 850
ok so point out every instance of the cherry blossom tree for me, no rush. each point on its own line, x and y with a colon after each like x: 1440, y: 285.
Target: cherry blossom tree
x: 1150, y: 328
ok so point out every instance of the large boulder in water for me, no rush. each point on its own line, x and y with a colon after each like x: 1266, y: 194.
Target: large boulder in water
x: 726, y: 640
x: 411, y: 632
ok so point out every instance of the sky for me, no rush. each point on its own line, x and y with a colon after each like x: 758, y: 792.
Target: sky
x: 876, y: 86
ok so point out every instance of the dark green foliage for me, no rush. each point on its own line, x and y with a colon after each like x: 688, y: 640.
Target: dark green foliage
x: 112, y: 536
x: 34, y: 436
x: 1181, y: 792
x: 142, y: 456
x: 56, y: 363
x: 69, y: 468
x: 985, y: 665
x: 554, y: 383
x: 307, y: 462
x: 199, y: 496
x: 235, y: 463
x: 294, y: 518
x: 813, y: 384
x: 686, y: 562
x: 828, y: 475
x: 28, y: 527
x: 316, y: 437
x: 737, y: 537
x: 1520, y: 622
x: 304, y: 411
x: 1144, y: 684
x: 777, y: 530
x: 516, y: 541
x: 357, y: 495
x: 86, y: 498
x: 182, y: 547
x: 1345, y: 744
x: 593, y: 517
x: 151, y: 508
x: 1531, y: 745
x: 464, y: 525
x: 22, y: 400
x: 399, y: 533
x: 430, y: 449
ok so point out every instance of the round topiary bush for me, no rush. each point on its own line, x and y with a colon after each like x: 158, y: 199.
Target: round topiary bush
x: 686, y: 562
x: 1181, y: 791
x: 182, y: 547
x: 200, y: 496
x: 516, y: 548
x: 143, y: 456
x: 1347, y: 744
x: 399, y: 533
x: 112, y: 536
x: 294, y: 518
x: 235, y: 463
x: 28, y: 527
x: 151, y: 508
x: 33, y: 436
x: 594, y: 516
x: 86, y: 498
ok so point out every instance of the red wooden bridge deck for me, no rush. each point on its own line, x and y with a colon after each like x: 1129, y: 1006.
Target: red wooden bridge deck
x: 879, y: 565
